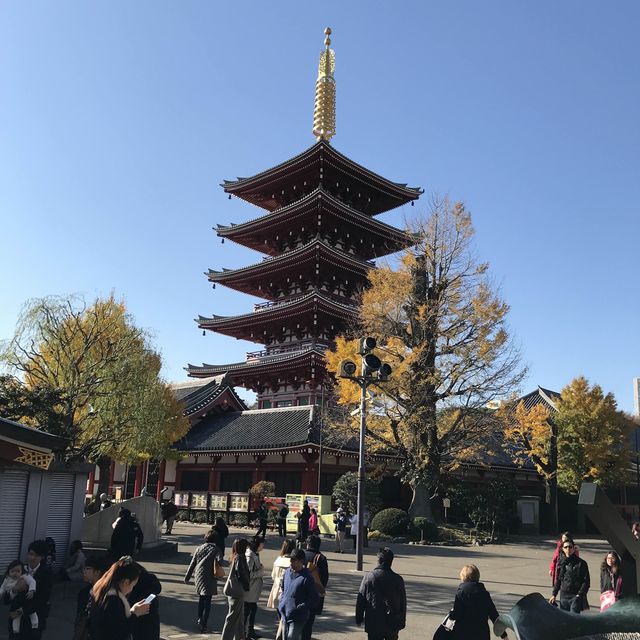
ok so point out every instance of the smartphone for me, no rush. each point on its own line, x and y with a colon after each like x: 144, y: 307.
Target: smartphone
x: 150, y: 598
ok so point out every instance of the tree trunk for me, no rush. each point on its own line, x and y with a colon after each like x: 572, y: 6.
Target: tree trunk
x: 104, y: 464
x: 551, y: 498
x: 420, y: 503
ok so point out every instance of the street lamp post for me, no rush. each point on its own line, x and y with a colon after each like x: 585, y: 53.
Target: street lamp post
x: 372, y: 371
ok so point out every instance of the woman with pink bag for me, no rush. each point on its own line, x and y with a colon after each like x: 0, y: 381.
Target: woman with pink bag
x: 610, y: 580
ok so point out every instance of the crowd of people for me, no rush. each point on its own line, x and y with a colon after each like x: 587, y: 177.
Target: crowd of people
x: 119, y: 598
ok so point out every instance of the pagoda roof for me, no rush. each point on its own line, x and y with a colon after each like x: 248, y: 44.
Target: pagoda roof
x: 202, y: 396
x: 314, y: 166
x: 250, y: 279
x: 261, y: 233
x: 250, y: 430
x: 242, y: 326
x: 287, y: 361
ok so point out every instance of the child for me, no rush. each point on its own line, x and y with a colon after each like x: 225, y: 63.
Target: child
x: 14, y: 578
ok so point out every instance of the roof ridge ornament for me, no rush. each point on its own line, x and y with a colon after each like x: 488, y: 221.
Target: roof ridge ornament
x: 324, y: 112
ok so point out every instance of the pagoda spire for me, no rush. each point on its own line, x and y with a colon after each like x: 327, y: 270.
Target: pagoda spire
x: 324, y: 112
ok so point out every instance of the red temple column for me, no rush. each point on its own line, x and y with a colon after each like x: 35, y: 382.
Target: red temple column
x: 91, y: 480
x: 137, y: 485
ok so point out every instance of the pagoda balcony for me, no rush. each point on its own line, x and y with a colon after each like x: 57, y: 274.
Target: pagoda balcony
x: 274, y: 351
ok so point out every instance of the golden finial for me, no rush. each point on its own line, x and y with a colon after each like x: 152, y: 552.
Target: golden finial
x: 324, y: 112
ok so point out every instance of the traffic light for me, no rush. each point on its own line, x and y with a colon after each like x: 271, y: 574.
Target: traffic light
x: 384, y: 371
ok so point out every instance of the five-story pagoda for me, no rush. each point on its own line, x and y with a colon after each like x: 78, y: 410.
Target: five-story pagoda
x: 320, y: 237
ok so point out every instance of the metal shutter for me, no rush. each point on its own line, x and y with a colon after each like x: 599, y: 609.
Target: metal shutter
x: 13, y: 495
x: 61, y: 495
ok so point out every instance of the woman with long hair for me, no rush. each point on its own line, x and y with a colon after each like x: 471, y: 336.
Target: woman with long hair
x: 201, y: 568
x: 111, y: 617
x: 610, y: 580
x: 280, y: 565
x: 235, y: 587
x: 256, y: 573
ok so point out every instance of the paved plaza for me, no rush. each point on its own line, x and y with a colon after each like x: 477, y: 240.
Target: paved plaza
x: 509, y: 571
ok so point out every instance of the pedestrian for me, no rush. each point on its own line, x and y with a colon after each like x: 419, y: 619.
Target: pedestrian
x: 262, y: 515
x: 236, y: 586
x: 126, y: 537
x: 299, y: 596
x: 256, y: 580
x: 382, y: 601
x: 40, y: 602
x: 354, y: 529
x: 18, y: 587
x: 93, y: 506
x: 317, y: 564
x: 169, y: 512
x: 366, y: 519
x: 146, y: 627
x: 202, y: 570
x: 572, y: 581
x: 472, y: 607
x: 283, y: 512
x: 105, y: 503
x: 340, y: 522
x: 74, y: 570
x: 94, y: 568
x: 223, y: 533
x: 635, y: 530
x: 280, y: 565
x: 111, y: 617
x: 303, y: 520
x: 313, y: 523
x: 559, y: 556
x: 610, y: 580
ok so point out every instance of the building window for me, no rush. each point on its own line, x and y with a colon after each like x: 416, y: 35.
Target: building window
x: 303, y: 401
x: 266, y: 404
x: 285, y: 403
x: 285, y: 481
x: 194, y: 481
x: 236, y: 481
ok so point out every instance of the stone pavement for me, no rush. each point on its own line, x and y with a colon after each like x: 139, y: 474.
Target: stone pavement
x: 509, y: 572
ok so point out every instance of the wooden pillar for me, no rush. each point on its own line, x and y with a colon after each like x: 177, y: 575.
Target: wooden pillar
x: 137, y: 485
x: 91, y: 480
x: 213, y: 474
x: 310, y: 472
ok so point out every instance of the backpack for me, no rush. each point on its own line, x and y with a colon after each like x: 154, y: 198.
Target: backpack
x: 315, y: 574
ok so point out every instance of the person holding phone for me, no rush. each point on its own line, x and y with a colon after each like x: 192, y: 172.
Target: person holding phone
x: 147, y: 589
x: 111, y: 617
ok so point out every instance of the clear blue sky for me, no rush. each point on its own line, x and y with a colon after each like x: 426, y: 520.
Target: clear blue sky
x: 118, y: 121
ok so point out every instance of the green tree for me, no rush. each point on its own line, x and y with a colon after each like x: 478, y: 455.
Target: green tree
x: 442, y: 326
x: 345, y: 493
x: 593, y: 437
x: 112, y: 402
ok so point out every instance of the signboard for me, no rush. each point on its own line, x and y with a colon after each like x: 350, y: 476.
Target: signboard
x: 181, y: 499
x: 218, y: 501
x: 239, y: 502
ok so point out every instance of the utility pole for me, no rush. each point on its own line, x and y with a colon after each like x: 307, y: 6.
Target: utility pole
x: 373, y: 370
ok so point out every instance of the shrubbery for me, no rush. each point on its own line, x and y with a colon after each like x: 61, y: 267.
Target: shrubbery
x: 391, y: 522
x: 423, y: 529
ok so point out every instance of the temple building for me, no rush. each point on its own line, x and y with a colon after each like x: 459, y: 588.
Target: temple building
x: 316, y: 226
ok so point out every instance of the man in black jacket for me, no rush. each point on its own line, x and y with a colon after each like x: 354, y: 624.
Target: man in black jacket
x: 382, y: 601
x: 572, y: 581
x: 312, y: 554
x: 40, y: 603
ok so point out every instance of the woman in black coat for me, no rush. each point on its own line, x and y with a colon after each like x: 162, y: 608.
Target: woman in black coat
x: 472, y: 607
x: 111, y: 617
x: 146, y: 627
x: 222, y: 530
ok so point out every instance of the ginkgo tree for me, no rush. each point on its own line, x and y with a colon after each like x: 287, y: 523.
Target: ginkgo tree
x: 442, y: 326
x: 101, y: 369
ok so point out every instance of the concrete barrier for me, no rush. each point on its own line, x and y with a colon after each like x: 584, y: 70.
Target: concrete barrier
x: 97, y: 528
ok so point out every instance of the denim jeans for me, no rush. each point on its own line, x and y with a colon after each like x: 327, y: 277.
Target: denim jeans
x: 293, y: 630
x: 571, y: 602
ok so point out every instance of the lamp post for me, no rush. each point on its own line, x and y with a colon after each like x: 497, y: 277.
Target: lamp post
x: 373, y: 370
